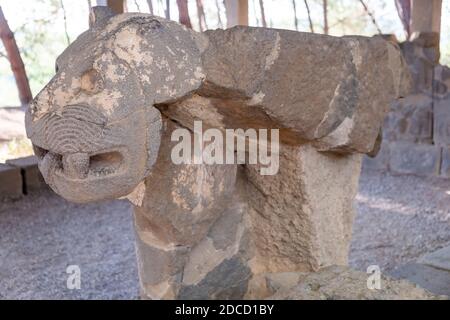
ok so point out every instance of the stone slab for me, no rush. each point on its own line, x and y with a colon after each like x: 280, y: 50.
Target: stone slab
x: 412, y: 158
x: 434, y: 280
x: 380, y: 162
x: 343, y: 283
x: 10, y: 181
x: 438, y: 259
x: 32, y: 176
x: 445, y: 163
x: 441, y: 133
x: 410, y: 119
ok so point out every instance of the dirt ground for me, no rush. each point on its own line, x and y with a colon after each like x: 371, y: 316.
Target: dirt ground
x: 399, y: 219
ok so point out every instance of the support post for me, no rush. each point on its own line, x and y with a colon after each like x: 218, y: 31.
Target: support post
x: 237, y: 12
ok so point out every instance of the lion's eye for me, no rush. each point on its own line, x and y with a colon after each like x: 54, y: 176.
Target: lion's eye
x: 91, y: 81
x: 56, y: 68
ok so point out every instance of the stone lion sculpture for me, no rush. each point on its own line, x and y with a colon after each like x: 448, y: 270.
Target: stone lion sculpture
x: 102, y: 130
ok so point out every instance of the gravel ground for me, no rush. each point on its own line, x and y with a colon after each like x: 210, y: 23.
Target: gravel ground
x: 399, y: 218
x: 41, y: 235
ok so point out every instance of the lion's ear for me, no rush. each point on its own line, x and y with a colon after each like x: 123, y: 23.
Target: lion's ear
x: 99, y: 15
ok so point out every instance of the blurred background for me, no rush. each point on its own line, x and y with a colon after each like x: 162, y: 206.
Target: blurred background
x: 43, y: 28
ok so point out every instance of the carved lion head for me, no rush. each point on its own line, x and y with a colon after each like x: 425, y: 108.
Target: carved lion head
x: 94, y: 126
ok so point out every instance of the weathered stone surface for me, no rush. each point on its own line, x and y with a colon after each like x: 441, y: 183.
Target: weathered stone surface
x: 445, y: 163
x: 438, y: 259
x: 307, y: 206
x: 32, y: 177
x: 423, y: 117
x: 410, y: 119
x: 432, y: 279
x: 441, y: 80
x: 411, y: 158
x: 343, y: 283
x: 381, y: 161
x: 11, y: 181
x: 421, y: 55
x: 102, y: 128
x: 441, y: 133
x: 264, y: 79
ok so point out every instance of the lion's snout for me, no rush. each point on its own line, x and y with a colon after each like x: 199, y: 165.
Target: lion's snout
x: 75, y: 143
x: 78, y: 165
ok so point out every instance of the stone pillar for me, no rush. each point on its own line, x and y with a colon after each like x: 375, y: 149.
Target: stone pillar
x: 426, y: 16
x: 117, y: 6
x: 237, y: 12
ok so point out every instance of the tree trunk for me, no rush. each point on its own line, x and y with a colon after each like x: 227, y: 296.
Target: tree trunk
x: 150, y: 6
x: 137, y: 6
x: 404, y: 13
x: 372, y: 17
x: 201, y: 16
x: 255, y: 13
x: 311, y: 27
x: 167, y: 11
x: 263, y: 14
x: 237, y: 12
x: 219, y: 19
x: 295, y: 14
x: 65, y: 21
x: 13, y: 54
x: 184, y: 13
x: 325, y: 16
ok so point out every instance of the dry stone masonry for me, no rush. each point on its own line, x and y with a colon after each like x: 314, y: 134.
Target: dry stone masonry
x: 102, y: 129
x: 416, y: 132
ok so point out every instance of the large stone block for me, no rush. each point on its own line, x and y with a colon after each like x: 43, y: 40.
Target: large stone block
x: 10, y: 181
x: 439, y: 259
x: 342, y: 283
x: 411, y: 158
x: 410, y: 119
x: 445, y: 163
x: 441, y: 133
x: 434, y: 280
x: 422, y: 55
x: 380, y: 161
x: 441, y: 82
x: 32, y: 177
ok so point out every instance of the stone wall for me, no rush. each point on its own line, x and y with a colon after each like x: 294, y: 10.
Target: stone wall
x: 20, y: 177
x: 416, y: 132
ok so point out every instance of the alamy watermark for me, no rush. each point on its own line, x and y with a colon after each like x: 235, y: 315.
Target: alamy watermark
x: 213, y: 146
x: 374, y: 280
x: 74, y: 278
